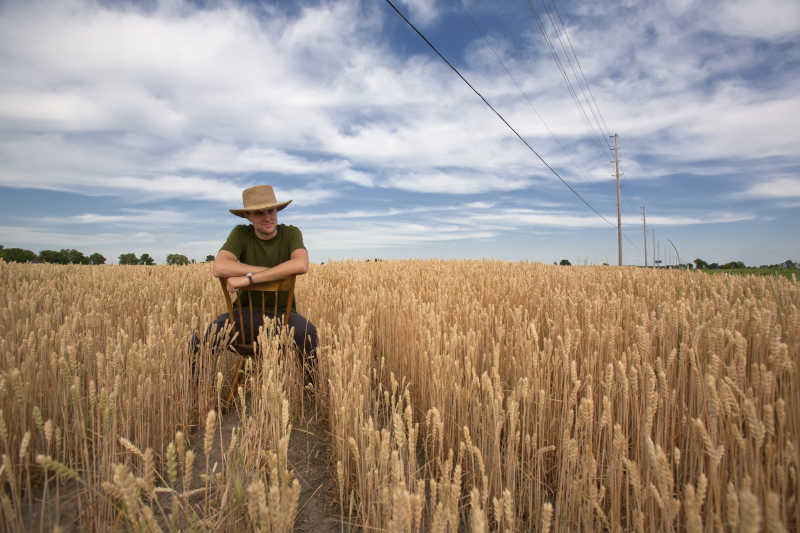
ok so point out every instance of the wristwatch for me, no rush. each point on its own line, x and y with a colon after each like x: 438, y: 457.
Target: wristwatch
x: 249, y: 276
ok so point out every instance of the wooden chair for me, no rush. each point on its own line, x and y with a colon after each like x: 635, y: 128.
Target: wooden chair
x: 244, y: 346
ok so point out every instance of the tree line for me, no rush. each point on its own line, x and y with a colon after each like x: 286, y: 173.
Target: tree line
x: 71, y: 256
x: 64, y: 256
x: 703, y: 265
x: 145, y: 259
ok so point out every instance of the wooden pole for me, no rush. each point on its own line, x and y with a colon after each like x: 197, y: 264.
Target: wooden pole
x: 619, y: 214
x: 655, y: 257
x: 677, y: 255
x: 644, y: 234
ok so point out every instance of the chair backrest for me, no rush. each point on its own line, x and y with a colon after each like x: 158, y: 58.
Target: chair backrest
x: 277, y: 286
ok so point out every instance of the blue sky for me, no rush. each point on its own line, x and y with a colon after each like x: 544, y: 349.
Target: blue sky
x: 133, y: 127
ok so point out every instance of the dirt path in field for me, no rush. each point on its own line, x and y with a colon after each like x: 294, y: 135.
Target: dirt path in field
x: 309, y: 449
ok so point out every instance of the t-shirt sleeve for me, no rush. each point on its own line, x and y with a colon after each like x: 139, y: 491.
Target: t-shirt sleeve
x: 296, y: 240
x: 235, y: 242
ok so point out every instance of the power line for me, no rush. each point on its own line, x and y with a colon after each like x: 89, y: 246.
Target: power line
x: 560, y: 65
x: 562, y: 36
x: 499, y: 59
x: 485, y: 101
x: 602, y: 122
x: 513, y: 79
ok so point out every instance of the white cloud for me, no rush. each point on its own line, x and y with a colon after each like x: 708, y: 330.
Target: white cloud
x: 364, y: 179
x: 305, y: 196
x: 511, y: 219
x: 516, y: 218
x: 126, y: 216
x: 479, y: 205
x: 178, y: 187
x: 763, y: 18
x: 454, y: 183
x: 679, y: 220
x: 420, y: 12
x: 776, y: 188
x: 42, y: 238
x: 210, y: 156
x: 386, y: 235
x: 394, y: 212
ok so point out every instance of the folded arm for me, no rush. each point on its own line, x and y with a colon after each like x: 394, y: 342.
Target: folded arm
x: 227, y: 266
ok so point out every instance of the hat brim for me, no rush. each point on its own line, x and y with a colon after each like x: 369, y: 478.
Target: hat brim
x: 244, y: 212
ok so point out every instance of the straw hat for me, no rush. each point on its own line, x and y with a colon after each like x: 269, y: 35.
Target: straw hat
x: 258, y: 198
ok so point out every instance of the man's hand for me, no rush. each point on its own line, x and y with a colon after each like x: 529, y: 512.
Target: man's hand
x: 234, y: 283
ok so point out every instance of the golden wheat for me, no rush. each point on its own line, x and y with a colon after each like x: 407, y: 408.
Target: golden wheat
x: 474, y: 394
x: 504, y: 362
x: 95, y: 367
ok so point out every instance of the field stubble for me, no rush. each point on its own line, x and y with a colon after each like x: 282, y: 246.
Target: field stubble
x: 479, y: 394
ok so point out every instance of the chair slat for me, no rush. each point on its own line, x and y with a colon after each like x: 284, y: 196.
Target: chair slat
x: 252, y: 332
x: 248, y: 346
x: 241, y: 321
x: 289, y: 300
x: 229, y: 303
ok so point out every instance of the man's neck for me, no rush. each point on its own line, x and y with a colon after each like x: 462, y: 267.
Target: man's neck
x: 264, y: 237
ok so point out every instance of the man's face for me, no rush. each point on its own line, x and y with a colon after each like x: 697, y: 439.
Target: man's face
x: 265, y: 222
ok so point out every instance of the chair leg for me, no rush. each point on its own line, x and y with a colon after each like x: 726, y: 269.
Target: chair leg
x: 235, y: 382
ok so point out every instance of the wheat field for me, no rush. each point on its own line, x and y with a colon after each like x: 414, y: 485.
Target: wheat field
x: 459, y: 395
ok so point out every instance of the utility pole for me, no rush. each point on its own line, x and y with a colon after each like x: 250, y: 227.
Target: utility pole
x: 619, y: 215
x: 644, y: 234
x: 655, y: 257
x: 677, y: 255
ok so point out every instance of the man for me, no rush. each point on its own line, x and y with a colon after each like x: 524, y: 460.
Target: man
x: 265, y: 251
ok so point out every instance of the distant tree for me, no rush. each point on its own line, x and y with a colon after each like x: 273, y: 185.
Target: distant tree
x: 17, y: 255
x: 145, y: 259
x: 733, y: 264
x: 565, y: 262
x: 209, y: 258
x: 700, y: 263
x: 97, y: 259
x: 75, y: 257
x: 713, y: 266
x: 128, y: 259
x: 788, y: 264
x: 51, y: 256
x: 177, y: 259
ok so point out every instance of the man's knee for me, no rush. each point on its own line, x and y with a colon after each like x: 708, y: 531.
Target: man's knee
x: 305, y: 333
x: 216, y: 325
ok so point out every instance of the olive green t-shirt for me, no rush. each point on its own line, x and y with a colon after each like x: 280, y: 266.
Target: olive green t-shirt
x: 243, y: 243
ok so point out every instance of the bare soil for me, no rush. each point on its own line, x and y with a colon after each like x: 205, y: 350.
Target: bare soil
x: 309, y: 452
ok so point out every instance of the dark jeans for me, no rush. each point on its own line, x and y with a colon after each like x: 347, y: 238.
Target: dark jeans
x: 305, y: 335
